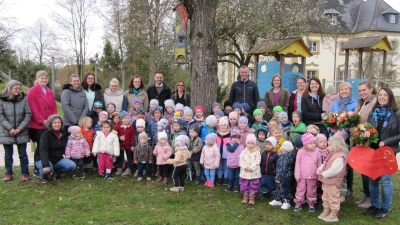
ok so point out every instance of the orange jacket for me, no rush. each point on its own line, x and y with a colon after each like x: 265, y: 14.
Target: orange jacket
x: 88, y: 135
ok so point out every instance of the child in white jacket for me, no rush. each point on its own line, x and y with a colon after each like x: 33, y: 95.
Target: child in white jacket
x: 106, y: 145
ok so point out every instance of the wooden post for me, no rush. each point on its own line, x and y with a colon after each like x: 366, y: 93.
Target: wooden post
x: 360, y: 51
x: 282, y: 64
x: 370, y: 69
x: 323, y: 83
x: 256, y: 58
x: 384, y: 64
x: 346, y: 65
x: 303, y: 65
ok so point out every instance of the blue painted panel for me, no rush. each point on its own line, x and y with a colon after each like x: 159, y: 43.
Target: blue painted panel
x: 289, y: 80
x: 354, y: 83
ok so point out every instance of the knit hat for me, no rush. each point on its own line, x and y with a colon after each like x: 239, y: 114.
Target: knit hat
x: 156, y: 108
x: 124, y: 114
x: 330, y: 90
x: 258, y: 111
x: 320, y: 137
x: 140, y: 123
x: 187, y: 110
x: 287, y: 146
x: 235, y: 133
x: 73, y: 129
x: 215, y: 104
x: 143, y: 135
x: 178, y: 120
x: 163, y: 122
x: 219, y: 113
x: 228, y: 103
x: 307, y: 138
x: 103, y: 113
x: 162, y: 135
x: 211, y: 121
x: 251, y: 138
x: 243, y: 119
x: 246, y: 107
x: 277, y: 109
x: 137, y: 100
x: 211, y: 138
x: 111, y: 103
x: 223, y: 121
x: 237, y: 105
x: 179, y: 106
x: 298, y: 143
x: 199, y: 107
x: 342, y: 133
x: 170, y: 103
x: 272, y: 140
x: 233, y: 115
x: 98, y: 104
x: 181, y: 140
x: 282, y: 115
x: 195, y: 127
x: 141, y: 111
x: 262, y: 129
x: 298, y: 114
x: 154, y: 101
x: 261, y: 104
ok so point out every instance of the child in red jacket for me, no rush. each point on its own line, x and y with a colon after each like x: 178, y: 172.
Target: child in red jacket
x: 126, y: 135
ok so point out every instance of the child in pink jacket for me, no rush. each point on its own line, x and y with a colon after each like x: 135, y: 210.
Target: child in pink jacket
x: 234, y: 148
x: 77, y: 148
x: 308, y: 160
x: 210, y: 157
x: 162, y: 151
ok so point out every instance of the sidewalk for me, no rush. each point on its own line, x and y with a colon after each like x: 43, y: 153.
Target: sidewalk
x: 16, y: 157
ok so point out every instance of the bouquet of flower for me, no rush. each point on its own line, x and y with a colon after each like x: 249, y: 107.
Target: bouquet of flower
x: 332, y: 120
x: 365, y: 134
x: 348, y: 119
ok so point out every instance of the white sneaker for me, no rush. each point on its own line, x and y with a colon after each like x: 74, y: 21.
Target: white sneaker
x: 275, y: 203
x: 119, y: 171
x: 285, y: 206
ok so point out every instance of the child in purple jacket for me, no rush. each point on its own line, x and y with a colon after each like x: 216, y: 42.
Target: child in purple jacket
x: 77, y: 148
x: 234, y: 148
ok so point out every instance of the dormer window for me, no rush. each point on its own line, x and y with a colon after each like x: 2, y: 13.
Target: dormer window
x: 392, y: 18
x: 391, y: 15
x: 333, y: 19
x: 332, y: 14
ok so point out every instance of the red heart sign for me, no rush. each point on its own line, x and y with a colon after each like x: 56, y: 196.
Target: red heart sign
x: 373, y: 163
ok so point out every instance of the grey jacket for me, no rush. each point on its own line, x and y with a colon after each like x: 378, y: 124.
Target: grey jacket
x: 74, y: 103
x: 391, y: 134
x: 14, y: 114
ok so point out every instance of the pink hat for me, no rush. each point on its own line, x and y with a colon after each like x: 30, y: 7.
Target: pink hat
x: 223, y: 121
x: 103, y: 113
x: 199, y: 107
x: 233, y: 115
x: 320, y: 137
x: 251, y: 138
x: 342, y: 133
x: 73, y: 129
x: 307, y: 138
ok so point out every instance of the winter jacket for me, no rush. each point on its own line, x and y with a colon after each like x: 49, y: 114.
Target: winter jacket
x: 51, y: 149
x: 245, y: 92
x: 143, y: 153
x: 162, y: 152
x: 285, y: 165
x: 204, y: 131
x: 328, y: 101
x: 307, y: 163
x: 364, y: 108
x: 42, y: 106
x: 88, y: 135
x: 291, y: 108
x: 299, y: 127
x: 252, y: 159
x: 261, y: 145
x: 283, y: 100
x: 14, y: 114
x: 221, y: 142
x: 256, y: 125
x: 142, y: 95
x: 186, y: 125
x: 311, y: 110
x: 234, y: 150
x: 181, y: 156
x: 98, y: 95
x: 244, y: 135
x: 129, y: 134
x: 172, y: 137
x: 210, y: 157
x: 152, y: 131
x: 74, y: 103
x: 109, y: 144
x: 391, y: 134
x: 117, y: 98
x: 164, y: 94
x: 268, y: 162
x: 350, y: 107
x: 77, y: 148
x: 182, y: 100
x: 334, y: 169
x: 195, y: 146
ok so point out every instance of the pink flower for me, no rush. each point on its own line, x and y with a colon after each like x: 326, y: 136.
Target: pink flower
x: 367, y: 134
x: 350, y: 113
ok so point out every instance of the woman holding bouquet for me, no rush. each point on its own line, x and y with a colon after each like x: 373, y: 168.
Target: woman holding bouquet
x: 386, y: 118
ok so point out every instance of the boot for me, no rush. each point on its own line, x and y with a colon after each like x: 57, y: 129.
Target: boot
x: 219, y: 181
x: 165, y: 180
x: 324, y: 214
x: 245, y: 198
x: 225, y: 182
x: 119, y: 171
x: 251, y: 199
x: 197, y: 180
x: 366, y: 204
x: 127, y: 172
x: 160, y: 179
x: 332, y: 217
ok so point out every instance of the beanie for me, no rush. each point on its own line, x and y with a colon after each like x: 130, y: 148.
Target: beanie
x: 178, y: 120
x: 233, y: 115
x: 287, y: 146
x: 235, y: 133
x: 98, y: 104
x: 262, y: 129
x: 163, y: 122
x: 179, y: 106
x: 162, y: 135
x: 169, y: 103
x: 282, y: 115
x: 320, y: 137
x: 140, y: 123
x: 246, y: 107
x: 258, y: 111
x: 237, y: 105
x: 181, y: 140
x: 243, y: 119
x: 115, y: 107
x: 73, y: 129
x: 330, y: 90
x: 141, y: 111
x: 298, y: 143
x: 143, y: 135
x: 298, y: 114
x: 342, y: 133
x: 261, y: 104
x: 251, y: 138
x: 199, y: 107
x: 215, y: 104
x: 228, y: 103
x: 272, y: 140
x: 103, y: 113
x: 137, y: 100
x: 307, y: 138
x: 156, y: 108
x: 277, y: 109
x: 124, y: 114
x: 219, y: 113
x: 187, y: 110
x: 211, y: 138
x: 211, y: 121
x: 195, y: 127
x: 155, y: 101
x: 223, y: 121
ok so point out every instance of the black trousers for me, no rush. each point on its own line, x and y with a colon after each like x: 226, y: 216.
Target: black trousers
x: 79, y: 166
x: 163, y: 170
x: 178, y: 175
x: 34, y: 135
x: 365, y: 181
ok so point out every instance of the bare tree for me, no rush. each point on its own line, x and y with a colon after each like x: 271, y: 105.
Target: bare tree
x: 42, y: 39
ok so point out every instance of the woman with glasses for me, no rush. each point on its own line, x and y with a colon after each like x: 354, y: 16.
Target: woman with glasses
x: 276, y: 96
x: 92, y: 89
x: 180, y: 95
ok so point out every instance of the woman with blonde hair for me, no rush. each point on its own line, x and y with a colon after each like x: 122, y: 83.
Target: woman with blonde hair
x: 180, y: 95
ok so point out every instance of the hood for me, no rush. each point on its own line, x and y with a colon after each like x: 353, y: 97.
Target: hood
x: 118, y: 92
x: 15, y: 99
x: 97, y: 87
x: 295, y: 91
x: 69, y: 87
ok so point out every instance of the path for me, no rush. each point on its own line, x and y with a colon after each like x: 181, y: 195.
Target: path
x: 16, y: 158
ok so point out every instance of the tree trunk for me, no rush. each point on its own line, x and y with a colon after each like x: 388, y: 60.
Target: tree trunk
x: 204, y: 79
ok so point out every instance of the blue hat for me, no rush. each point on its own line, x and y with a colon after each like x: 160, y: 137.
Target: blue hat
x: 246, y: 107
x: 237, y: 105
x: 98, y: 104
x: 123, y: 114
x: 141, y: 110
x: 157, y: 108
x: 298, y: 143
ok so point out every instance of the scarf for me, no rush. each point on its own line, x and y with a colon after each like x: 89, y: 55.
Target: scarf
x: 382, y: 113
x: 324, y: 153
x: 143, y: 145
x: 286, y: 124
x: 342, y: 102
x: 135, y: 91
x: 316, y: 97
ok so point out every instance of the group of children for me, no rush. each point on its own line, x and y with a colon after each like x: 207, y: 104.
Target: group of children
x: 229, y: 147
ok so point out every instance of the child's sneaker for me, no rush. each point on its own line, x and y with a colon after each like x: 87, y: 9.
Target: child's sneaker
x: 45, y: 180
x: 275, y: 203
x: 228, y: 188
x: 210, y: 184
x: 174, y: 189
x: 311, y: 208
x: 127, y: 172
x: 107, y: 176
x: 206, y: 183
x: 136, y: 174
x: 82, y: 175
x: 101, y: 176
x: 160, y: 179
x: 140, y: 179
x: 261, y: 195
x: 236, y: 189
x: 119, y: 171
x: 57, y: 177
x: 148, y: 178
x: 285, y: 205
x: 297, y: 208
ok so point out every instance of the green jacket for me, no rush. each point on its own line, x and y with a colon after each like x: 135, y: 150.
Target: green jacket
x: 300, y: 127
x: 256, y: 125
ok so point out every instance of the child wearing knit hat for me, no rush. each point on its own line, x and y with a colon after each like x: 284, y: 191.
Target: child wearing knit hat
x: 249, y: 161
x: 261, y: 105
x: 188, y: 118
x: 177, y: 129
x: 169, y: 113
x: 244, y: 129
x: 162, y: 151
x: 103, y: 116
x: 195, y: 146
x: 307, y: 161
x: 143, y: 157
x: 137, y: 103
x: 284, y: 176
x: 261, y: 135
x: 77, y: 148
x: 215, y: 106
x: 199, y: 114
x: 126, y: 134
x: 223, y: 136
x: 227, y: 107
x: 269, y: 157
x: 237, y: 108
x: 285, y: 122
x: 258, y: 117
x: 297, y: 124
x: 233, y: 120
x: 234, y: 148
x: 182, y: 154
x: 210, y: 157
x: 209, y: 126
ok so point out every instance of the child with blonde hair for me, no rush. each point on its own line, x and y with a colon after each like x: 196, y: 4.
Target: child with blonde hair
x: 85, y: 123
x: 312, y: 129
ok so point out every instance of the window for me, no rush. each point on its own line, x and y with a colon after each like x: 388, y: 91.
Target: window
x: 392, y: 18
x: 333, y: 19
x: 341, y: 76
x: 251, y: 74
x: 313, y: 46
x: 393, y: 45
x: 311, y: 74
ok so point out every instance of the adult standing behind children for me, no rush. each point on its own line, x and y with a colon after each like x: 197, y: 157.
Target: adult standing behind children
x: 115, y: 95
x: 92, y: 89
x: 295, y: 97
x: 180, y: 95
x: 277, y: 95
x: 136, y: 89
x: 159, y: 90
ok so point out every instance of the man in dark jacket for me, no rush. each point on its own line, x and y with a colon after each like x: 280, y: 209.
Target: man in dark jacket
x: 245, y: 90
x: 159, y: 90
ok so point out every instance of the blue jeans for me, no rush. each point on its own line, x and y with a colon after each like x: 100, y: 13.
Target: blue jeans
x: 223, y: 168
x: 267, y: 183
x: 234, y: 176
x: 62, y: 166
x: 210, y: 174
x: 387, y: 192
x: 146, y: 167
x: 23, y: 158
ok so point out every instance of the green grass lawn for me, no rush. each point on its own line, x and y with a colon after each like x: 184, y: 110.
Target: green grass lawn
x: 127, y: 201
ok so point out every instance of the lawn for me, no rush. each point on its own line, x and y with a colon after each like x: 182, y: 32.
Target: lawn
x: 127, y: 201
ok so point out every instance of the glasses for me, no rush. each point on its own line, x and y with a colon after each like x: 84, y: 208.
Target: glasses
x: 180, y: 85
x: 17, y: 89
